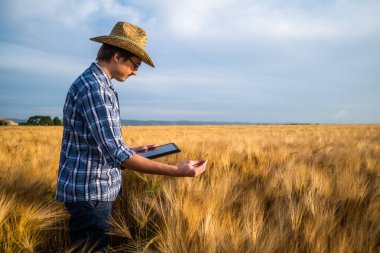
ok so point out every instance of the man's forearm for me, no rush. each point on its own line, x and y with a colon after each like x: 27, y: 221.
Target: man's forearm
x: 144, y: 165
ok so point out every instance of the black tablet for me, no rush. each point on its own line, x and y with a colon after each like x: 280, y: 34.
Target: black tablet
x: 159, y: 151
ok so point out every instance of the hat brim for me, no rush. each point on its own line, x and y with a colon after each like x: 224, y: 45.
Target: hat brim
x: 127, y: 45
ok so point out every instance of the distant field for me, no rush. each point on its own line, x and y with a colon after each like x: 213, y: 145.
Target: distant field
x: 266, y: 189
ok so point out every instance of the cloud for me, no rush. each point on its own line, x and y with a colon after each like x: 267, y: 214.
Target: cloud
x: 38, y: 62
x: 146, y: 112
x: 71, y: 13
x: 237, y: 19
x: 342, y: 114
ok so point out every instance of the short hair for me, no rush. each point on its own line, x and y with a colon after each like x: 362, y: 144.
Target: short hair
x: 106, y: 52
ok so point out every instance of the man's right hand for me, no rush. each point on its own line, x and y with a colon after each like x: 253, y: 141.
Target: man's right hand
x: 191, y: 168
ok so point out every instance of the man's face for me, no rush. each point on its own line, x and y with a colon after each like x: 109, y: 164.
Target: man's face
x: 125, y: 68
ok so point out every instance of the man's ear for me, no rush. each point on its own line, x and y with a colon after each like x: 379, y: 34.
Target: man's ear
x: 116, y: 57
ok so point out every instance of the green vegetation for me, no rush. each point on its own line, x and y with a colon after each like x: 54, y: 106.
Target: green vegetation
x: 44, y: 121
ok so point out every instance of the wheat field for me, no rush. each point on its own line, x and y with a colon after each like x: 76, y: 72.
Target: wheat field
x: 313, y: 188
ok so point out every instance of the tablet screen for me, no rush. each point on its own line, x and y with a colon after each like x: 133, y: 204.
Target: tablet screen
x: 160, y: 151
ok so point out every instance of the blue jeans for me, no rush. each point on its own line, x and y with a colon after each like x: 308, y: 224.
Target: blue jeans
x: 89, y: 223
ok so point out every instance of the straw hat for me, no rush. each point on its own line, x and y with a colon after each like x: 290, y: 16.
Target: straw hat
x: 128, y: 37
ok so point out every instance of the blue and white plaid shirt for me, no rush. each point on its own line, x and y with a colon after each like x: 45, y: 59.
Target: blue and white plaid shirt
x: 92, y: 145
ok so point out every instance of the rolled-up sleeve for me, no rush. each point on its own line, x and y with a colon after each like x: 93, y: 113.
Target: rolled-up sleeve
x: 99, y: 110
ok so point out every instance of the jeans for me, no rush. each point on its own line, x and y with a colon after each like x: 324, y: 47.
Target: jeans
x: 89, y: 224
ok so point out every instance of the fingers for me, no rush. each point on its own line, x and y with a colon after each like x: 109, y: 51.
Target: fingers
x: 192, y: 168
x: 141, y: 149
x: 199, y: 163
x: 198, y: 166
x: 152, y: 146
x: 145, y: 148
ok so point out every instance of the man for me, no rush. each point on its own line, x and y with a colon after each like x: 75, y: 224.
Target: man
x: 93, y: 153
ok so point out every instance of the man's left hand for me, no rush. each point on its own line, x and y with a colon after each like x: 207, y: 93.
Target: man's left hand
x: 144, y: 148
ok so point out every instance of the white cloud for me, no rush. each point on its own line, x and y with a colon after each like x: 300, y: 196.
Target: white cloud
x: 39, y: 62
x: 342, y: 114
x: 147, y: 112
x: 72, y: 13
x: 229, y: 20
x: 276, y: 19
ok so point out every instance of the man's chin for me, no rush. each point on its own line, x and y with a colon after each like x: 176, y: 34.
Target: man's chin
x: 122, y: 79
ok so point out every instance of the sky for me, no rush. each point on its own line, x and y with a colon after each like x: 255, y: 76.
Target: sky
x: 252, y: 61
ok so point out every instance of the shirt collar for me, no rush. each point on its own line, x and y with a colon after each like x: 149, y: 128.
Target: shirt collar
x: 100, y: 72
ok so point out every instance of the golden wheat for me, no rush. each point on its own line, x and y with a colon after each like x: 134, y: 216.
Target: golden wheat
x: 266, y: 189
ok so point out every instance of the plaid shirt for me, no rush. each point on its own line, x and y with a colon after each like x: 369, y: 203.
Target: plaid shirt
x: 92, y: 145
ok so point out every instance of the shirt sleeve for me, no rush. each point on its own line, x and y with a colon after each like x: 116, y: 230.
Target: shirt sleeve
x: 101, y: 116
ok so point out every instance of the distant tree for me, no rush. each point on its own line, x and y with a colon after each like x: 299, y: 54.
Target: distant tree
x: 40, y: 121
x: 57, y: 122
